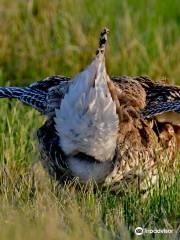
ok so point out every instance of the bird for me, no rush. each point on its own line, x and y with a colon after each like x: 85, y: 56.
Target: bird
x: 104, y: 129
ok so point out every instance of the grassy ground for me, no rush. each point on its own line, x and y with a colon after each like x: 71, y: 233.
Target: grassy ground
x: 40, y: 38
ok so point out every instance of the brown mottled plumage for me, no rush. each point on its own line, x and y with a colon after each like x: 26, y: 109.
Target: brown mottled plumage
x: 148, y: 134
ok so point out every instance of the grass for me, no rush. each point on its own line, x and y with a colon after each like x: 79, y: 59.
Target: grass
x: 40, y: 38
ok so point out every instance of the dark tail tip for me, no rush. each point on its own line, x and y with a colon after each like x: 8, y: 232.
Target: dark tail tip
x: 102, y: 40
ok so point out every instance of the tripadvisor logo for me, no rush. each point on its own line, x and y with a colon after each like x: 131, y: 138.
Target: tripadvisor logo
x: 139, y: 231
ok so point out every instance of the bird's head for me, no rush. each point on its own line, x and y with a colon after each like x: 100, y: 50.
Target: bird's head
x: 87, y: 121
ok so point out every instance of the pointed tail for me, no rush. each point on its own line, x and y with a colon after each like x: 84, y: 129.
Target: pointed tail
x: 27, y: 95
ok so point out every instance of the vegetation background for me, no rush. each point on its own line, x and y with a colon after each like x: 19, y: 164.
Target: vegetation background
x: 39, y: 38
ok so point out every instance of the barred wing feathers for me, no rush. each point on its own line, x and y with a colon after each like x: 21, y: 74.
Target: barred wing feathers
x: 46, y: 95
x: 34, y: 98
x: 162, y: 100
x: 43, y: 95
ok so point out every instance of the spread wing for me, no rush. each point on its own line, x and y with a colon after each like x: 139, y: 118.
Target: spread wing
x: 54, y: 87
x: 162, y: 101
x: 50, y: 82
x: 43, y: 95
